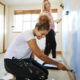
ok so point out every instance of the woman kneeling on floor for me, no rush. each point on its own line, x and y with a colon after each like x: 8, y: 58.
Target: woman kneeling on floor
x: 18, y: 59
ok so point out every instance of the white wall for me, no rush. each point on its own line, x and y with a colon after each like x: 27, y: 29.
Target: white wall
x: 67, y: 32
x: 75, y: 11
x: 11, y: 35
x: 71, y: 35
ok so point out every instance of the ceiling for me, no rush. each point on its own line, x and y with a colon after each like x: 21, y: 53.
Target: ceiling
x: 24, y: 2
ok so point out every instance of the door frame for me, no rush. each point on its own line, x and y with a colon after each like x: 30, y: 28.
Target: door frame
x: 3, y: 28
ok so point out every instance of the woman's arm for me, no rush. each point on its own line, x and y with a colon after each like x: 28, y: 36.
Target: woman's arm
x: 32, y: 56
x: 35, y: 49
x: 57, y: 21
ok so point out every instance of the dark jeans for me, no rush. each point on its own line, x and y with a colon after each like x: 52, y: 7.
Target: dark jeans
x: 26, y: 68
x: 50, y: 44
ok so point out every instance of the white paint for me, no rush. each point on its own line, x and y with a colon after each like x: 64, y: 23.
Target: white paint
x: 8, y: 77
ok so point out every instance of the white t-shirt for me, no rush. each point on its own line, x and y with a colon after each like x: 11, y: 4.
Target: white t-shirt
x: 19, y: 47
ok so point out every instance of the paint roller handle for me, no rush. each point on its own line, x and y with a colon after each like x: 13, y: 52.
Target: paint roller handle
x: 71, y: 70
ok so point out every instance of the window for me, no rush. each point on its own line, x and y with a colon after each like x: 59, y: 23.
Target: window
x: 26, y: 20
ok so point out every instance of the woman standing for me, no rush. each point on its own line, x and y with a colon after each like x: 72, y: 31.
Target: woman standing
x: 19, y: 59
x: 50, y: 37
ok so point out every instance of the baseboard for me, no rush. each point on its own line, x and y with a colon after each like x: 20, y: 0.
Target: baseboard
x: 71, y: 74
x: 57, y: 52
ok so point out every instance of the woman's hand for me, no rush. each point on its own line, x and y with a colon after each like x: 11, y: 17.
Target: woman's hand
x: 62, y: 67
x: 59, y: 20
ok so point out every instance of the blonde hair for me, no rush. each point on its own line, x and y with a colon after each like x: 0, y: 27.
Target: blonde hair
x: 43, y: 5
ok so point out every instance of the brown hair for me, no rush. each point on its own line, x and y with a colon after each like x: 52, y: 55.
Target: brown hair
x: 44, y: 22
